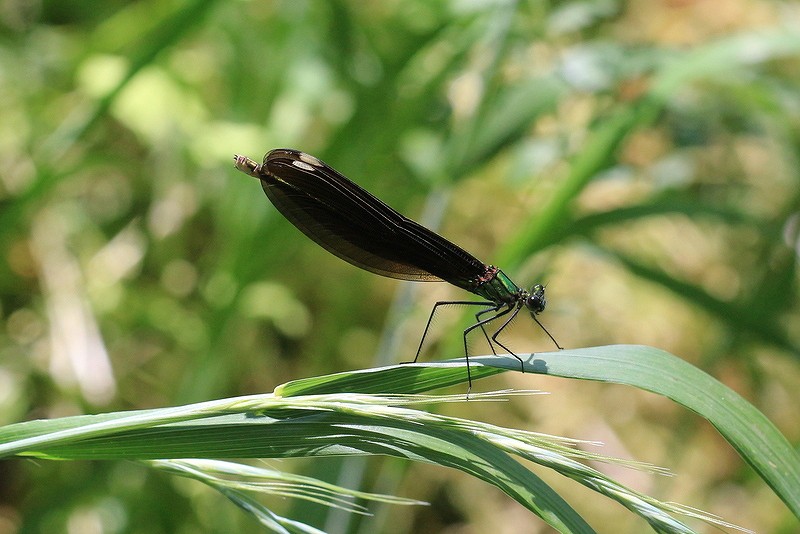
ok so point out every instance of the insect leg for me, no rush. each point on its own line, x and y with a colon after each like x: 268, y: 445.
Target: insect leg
x: 502, y: 327
x: 480, y: 324
x: 491, y: 306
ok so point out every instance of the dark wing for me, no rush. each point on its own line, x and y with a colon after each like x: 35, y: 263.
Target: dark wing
x: 353, y: 224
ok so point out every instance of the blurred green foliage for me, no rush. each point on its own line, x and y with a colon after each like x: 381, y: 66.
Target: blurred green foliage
x: 642, y: 158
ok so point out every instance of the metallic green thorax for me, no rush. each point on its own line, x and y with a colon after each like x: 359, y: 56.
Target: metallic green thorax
x: 495, y: 286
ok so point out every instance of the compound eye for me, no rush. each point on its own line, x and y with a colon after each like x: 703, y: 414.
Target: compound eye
x: 536, y: 302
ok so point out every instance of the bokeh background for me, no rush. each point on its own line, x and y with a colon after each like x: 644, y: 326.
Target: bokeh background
x: 641, y: 158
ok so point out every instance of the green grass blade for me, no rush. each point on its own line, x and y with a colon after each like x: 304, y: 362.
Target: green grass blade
x: 272, y: 427
x: 290, y: 425
x: 405, y: 378
x: 753, y: 436
x: 748, y: 431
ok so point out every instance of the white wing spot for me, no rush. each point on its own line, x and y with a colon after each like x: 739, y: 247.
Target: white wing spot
x: 303, y: 165
x: 311, y: 160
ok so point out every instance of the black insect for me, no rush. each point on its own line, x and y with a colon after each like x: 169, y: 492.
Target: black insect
x: 361, y: 229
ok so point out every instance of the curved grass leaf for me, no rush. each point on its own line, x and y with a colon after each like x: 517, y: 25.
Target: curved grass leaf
x: 301, y: 421
x: 753, y: 436
x: 272, y: 427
